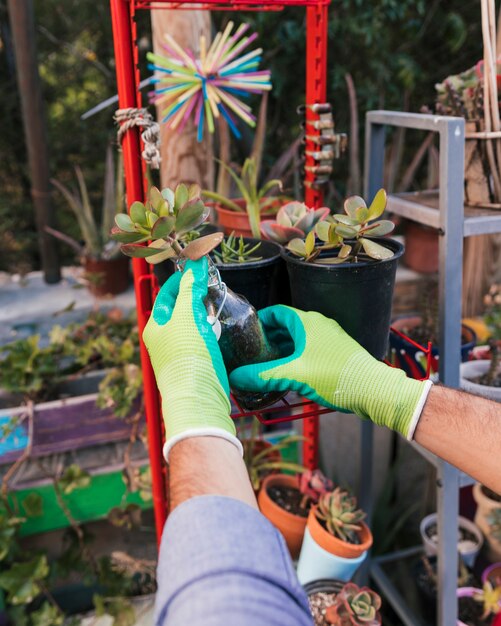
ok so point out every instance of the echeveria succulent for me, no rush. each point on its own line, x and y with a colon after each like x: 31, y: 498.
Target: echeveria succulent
x: 356, y: 224
x: 294, y: 219
x: 165, y: 220
x: 313, y: 484
x: 355, y: 606
x: 338, y: 511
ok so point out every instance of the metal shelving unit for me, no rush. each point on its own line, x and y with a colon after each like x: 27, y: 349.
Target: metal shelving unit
x: 444, y: 210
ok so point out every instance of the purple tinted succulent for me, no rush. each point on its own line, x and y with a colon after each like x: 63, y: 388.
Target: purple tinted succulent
x: 293, y: 220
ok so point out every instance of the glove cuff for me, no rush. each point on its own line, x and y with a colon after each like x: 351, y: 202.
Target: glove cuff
x: 428, y: 384
x: 201, y: 432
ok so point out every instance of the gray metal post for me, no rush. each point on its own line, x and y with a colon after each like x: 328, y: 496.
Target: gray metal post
x: 374, y: 158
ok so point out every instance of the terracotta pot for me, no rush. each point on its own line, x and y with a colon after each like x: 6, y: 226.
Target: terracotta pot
x: 336, y: 546
x: 110, y: 276
x: 421, y: 248
x: 485, y: 506
x: 233, y: 221
x: 291, y: 526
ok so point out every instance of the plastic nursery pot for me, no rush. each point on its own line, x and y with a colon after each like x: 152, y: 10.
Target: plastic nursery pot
x: 323, y: 585
x: 325, y: 556
x: 467, y: 548
x: 421, y: 248
x: 409, y: 358
x: 290, y: 525
x: 357, y: 295
x: 486, y: 503
x: 242, y: 341
x: 238, y: 221
x: 107, y: 277
x: 321, y: 594
x: 258, y: 281
x: 492, y: 573
x: 473, y: 369
x: 471, y: 610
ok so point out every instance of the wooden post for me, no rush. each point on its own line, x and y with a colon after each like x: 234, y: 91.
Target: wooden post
x: 23, y: 35
x: 184, y: 159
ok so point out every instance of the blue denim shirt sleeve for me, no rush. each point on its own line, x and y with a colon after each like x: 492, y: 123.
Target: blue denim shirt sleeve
x: 222, y: 563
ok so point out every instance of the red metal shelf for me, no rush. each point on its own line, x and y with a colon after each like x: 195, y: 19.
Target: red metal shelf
x: 227, y: 5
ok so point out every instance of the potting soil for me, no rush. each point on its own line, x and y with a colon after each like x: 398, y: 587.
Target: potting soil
x: 289, y: 499
x: 470, y: 612
x: 319, y: 603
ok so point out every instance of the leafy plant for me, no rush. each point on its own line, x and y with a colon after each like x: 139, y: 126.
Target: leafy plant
x: 313, y: 484
x: 255, y: 197
x: 294, y: 220
x: 494, y: 521
x: 73, y: 478
x: 235, y: 250
x: 338, y: 511
x: 490, y: 597
x: 166, y: 219
x: 355, y: 606
x: 355, y: 224
x: 95, y: 235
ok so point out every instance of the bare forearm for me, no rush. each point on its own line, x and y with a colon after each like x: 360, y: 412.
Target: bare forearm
x: 208, y: 466
x: 465, y: 431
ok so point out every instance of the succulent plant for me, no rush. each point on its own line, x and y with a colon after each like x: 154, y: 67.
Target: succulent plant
x: 313, y: 484
x: 235, y: 250
x: 355, y: 224
x: 294, y: 220
x: 355, y: 606
x: 490, y: 597
x: 255, y: 197
x: 338, y: 510
x: 166, y: 220
x: 494, y: 521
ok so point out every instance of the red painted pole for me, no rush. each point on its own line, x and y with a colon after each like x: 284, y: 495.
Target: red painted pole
x: 316, y: 91
x: 129, y: 96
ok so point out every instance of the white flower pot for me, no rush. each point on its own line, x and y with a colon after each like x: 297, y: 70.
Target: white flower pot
x: 467, y: 549
x: 472, y: 369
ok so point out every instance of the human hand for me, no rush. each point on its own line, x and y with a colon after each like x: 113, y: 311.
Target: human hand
x: 323, y: 363
x: 187, y: 361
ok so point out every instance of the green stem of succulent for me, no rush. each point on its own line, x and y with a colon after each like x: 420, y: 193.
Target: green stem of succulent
x: 254, y: 218
x: 226, y: 202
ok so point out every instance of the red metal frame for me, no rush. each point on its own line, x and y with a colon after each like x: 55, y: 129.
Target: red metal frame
x: 126, y: 56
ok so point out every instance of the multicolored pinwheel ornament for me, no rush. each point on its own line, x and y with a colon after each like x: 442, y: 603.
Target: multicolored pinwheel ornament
x: 210, y: 86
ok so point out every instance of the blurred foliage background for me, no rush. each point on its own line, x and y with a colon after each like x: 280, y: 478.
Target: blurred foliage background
x: 395, y: 51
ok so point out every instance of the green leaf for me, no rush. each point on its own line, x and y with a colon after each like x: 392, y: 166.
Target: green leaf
x: 22, y: 580
x: 47, y: 615
x: 362, y: 214
x: 378, y: 205
x: 322, y: 229
x: 123, y: 221
x: 137, y: 213
x: 163, y: 227
x: 123, y: 237
x: 151, y: 219
x: 351, y: 205
x: 156, y: 199
x: 190, y: 216
x: 167, y: 253
x: 181, y: 196
x: 379, y: 229
x: 344, y: 252
x: 346, y: 231
x: 137, y: 251
x: 194, y: 192
x: 345, y: 219
x: 297, y: 246
x: 33, y: 505
x: 168, y: 196
x: 74, y: 477
x: 375, y: 250
x: 199, y: 247
x: 309, y: 243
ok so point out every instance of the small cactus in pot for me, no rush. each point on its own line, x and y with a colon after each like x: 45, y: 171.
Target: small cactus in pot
x: 355, y: 606
x: 338, y: 512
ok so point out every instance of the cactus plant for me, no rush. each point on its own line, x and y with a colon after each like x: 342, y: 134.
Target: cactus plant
x: 338, y: 511
x: 294, y: 220
x: 356, y: 224
x: 255, y: 197
x: 490, y: 597
x: 355, y: 606
x: 235, y: 250
x: 166, y: 219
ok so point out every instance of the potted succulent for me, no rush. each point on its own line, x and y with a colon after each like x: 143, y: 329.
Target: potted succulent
x: 242, y: 216
x: 488, y: 518
x: 106, y: 270
x: 470, y: 538
x: 336, y: 539
x: 166, y: 221
x: 251, y: 268
x: 345, y: 269
x: 286, y: 500
x: 339, y: 604
x: 483, y: 377
x: 479, y: 607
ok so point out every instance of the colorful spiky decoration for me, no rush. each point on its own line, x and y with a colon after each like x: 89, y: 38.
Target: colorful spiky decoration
x: 210, y: 86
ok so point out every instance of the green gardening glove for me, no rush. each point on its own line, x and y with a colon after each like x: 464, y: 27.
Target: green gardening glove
x: 327, y: 366
x: 187, y: 361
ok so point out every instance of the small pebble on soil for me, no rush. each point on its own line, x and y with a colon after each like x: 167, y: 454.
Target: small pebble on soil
x: 319, y: 603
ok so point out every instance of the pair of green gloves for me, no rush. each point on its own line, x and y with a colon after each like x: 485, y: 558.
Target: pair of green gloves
x: 323, y: 364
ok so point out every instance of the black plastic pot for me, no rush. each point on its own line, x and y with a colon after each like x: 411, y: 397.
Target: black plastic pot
x: 260, y: 282
x: 323, y: 585
x: 357, y: 295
